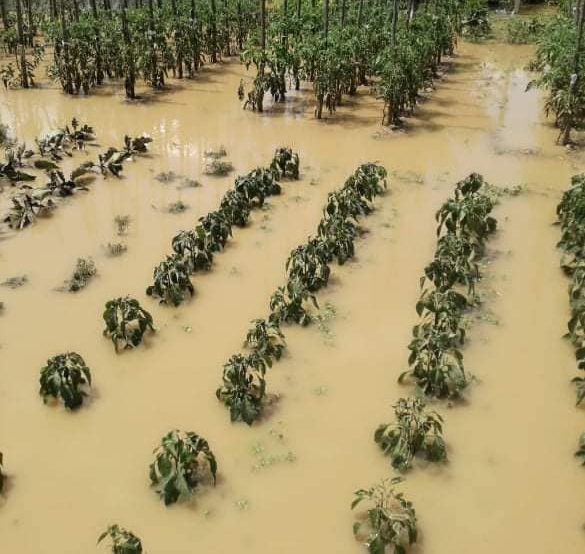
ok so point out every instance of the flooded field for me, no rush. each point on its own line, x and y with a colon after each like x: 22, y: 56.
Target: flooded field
x: 285, y: 485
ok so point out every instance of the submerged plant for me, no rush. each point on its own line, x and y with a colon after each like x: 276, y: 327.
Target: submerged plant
x: 180, y: 464
x: 65, y: 377
x: 115, y: 249
x: 287, y: 304
x: 308, y: 264
x: 218, y: 167
x: 235, y: 207
x: 285, y: 163
x: 257, y: 185
x: 337, y: 235
x: 1, y: 471
x: 122, y: 541
x: 27, y: 206
x: 266, y: 339
x: 414, y: 431
x: 390, y: 521
x: 244, y: 387
x: 122, y: 224
x: 172, y: 284
x: 194, y: 248
x: 126, y: 322
x: 85, y: 271
x: 217, y: 229
x: 368, y: 180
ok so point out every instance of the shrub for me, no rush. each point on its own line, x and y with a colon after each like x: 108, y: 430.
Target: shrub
x: 414, y: 431
x: 244, y: 387
x: 235, y: 207
x: 123, y: 541
x: 308, y: 264
x: 126, y: 322
x: 287, y: 304
x: 194, y: 248
x: 85, y: 271
x: 172, y: 284
x: 179, y: 465
x: 391, y: 519
x: 65, y: 377
x: 266, y: 340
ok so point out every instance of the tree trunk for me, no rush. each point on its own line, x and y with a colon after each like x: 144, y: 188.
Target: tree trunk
x: 360, y: 13
x: 394, y: 21
x: 517, y: 6
x: 325, y: 20
x: 99, y: 73
x: 570, y: 122
x: 31, y: 23
x: 343, y: 13
x: 213, y: 32
x: 68, y: 80
x: 22, y: 46
x: 76, y: 10
x: 299, y: 2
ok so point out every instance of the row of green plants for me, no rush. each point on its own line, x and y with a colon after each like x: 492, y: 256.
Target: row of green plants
x: 571, y: 218
x: 91, y: 46
x: 436, y: 363
x: 394, y: 48
x: 243, y: 388
x: 31, y: 203
x: 560, y: 64
x: 194, y: 249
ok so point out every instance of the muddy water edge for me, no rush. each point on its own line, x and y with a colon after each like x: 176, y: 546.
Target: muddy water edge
x: 285, y: 485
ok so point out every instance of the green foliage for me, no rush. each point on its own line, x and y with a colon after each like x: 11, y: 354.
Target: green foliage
x: 285, y: 163
x: 123, y: 541
x: 415, y: 431
x: 65, y: 377
x: 287, y: 304
x: 561, y: 71
x: 172, y: 284
x: 266, y: 339
x: 235, y: 207
x: 257, y: 185
x: 27, y: 206
x: 180, y: 464
x: 337, y: 235
x: 216, y: 227
x: 308, y: 265
x: 524, y: 31
x: 126, y: 322
x: 390, y: 521
x: 194, y: 248
x: 476, y: 23
x: 244, y: 387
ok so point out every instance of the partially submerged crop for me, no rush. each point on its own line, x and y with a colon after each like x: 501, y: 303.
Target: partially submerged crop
x: 415, y: 431
x: 244, y: 387
x: 390, y: 521
x: 194, y: 248
x: 66, y: 377
x: 285, y: 163
x: 266, y: 339
x: 85, y: 271
x: 172, y: 284
x: 122, y: 541
x: 181, y: 462
x: 287, y: 304
x: 126, y: 322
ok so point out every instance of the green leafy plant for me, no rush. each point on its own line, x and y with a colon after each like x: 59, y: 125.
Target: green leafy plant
x: 236, y: 208
x: 217, y: 229
x: 122, y: 541
x: 390, y: 519
x: 257, y: 185
x: 244, y: 387
x: 337, y: 235
x: 66, y: 377
x: 172, y: 284
x: 308, y: 264
x: 287, y: 304
x: 180, y: 465
x: 285, y: 163
x: 27, y: 207
x: 195, y: 248
x: 126, y: 322
x: 415, y: 431
x: 218, y: 167
x: 266, y: 339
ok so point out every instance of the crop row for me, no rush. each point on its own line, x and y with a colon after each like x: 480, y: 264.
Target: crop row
x: 571, y: 216
x: 30, y: 203
x: 243, y: 388
x: 193, y: 249
x: 435, y: 360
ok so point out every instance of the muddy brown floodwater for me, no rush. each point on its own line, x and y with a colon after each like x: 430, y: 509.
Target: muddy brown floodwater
x: 511, y: 484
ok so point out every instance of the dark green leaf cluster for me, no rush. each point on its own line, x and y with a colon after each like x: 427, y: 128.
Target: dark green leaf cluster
x: 172, y: 284
x: 391, y: 519
x: 435, y: 360
x: 180, y: 464
x: 285, y: 163
x: 265, y: 339
x: 194, y: 249
x: 123, y: 541
x: 571, y: 216
x: 415, y: 431
x: 244, y: 386
x: 126, y: 322
x: 65, y: 377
